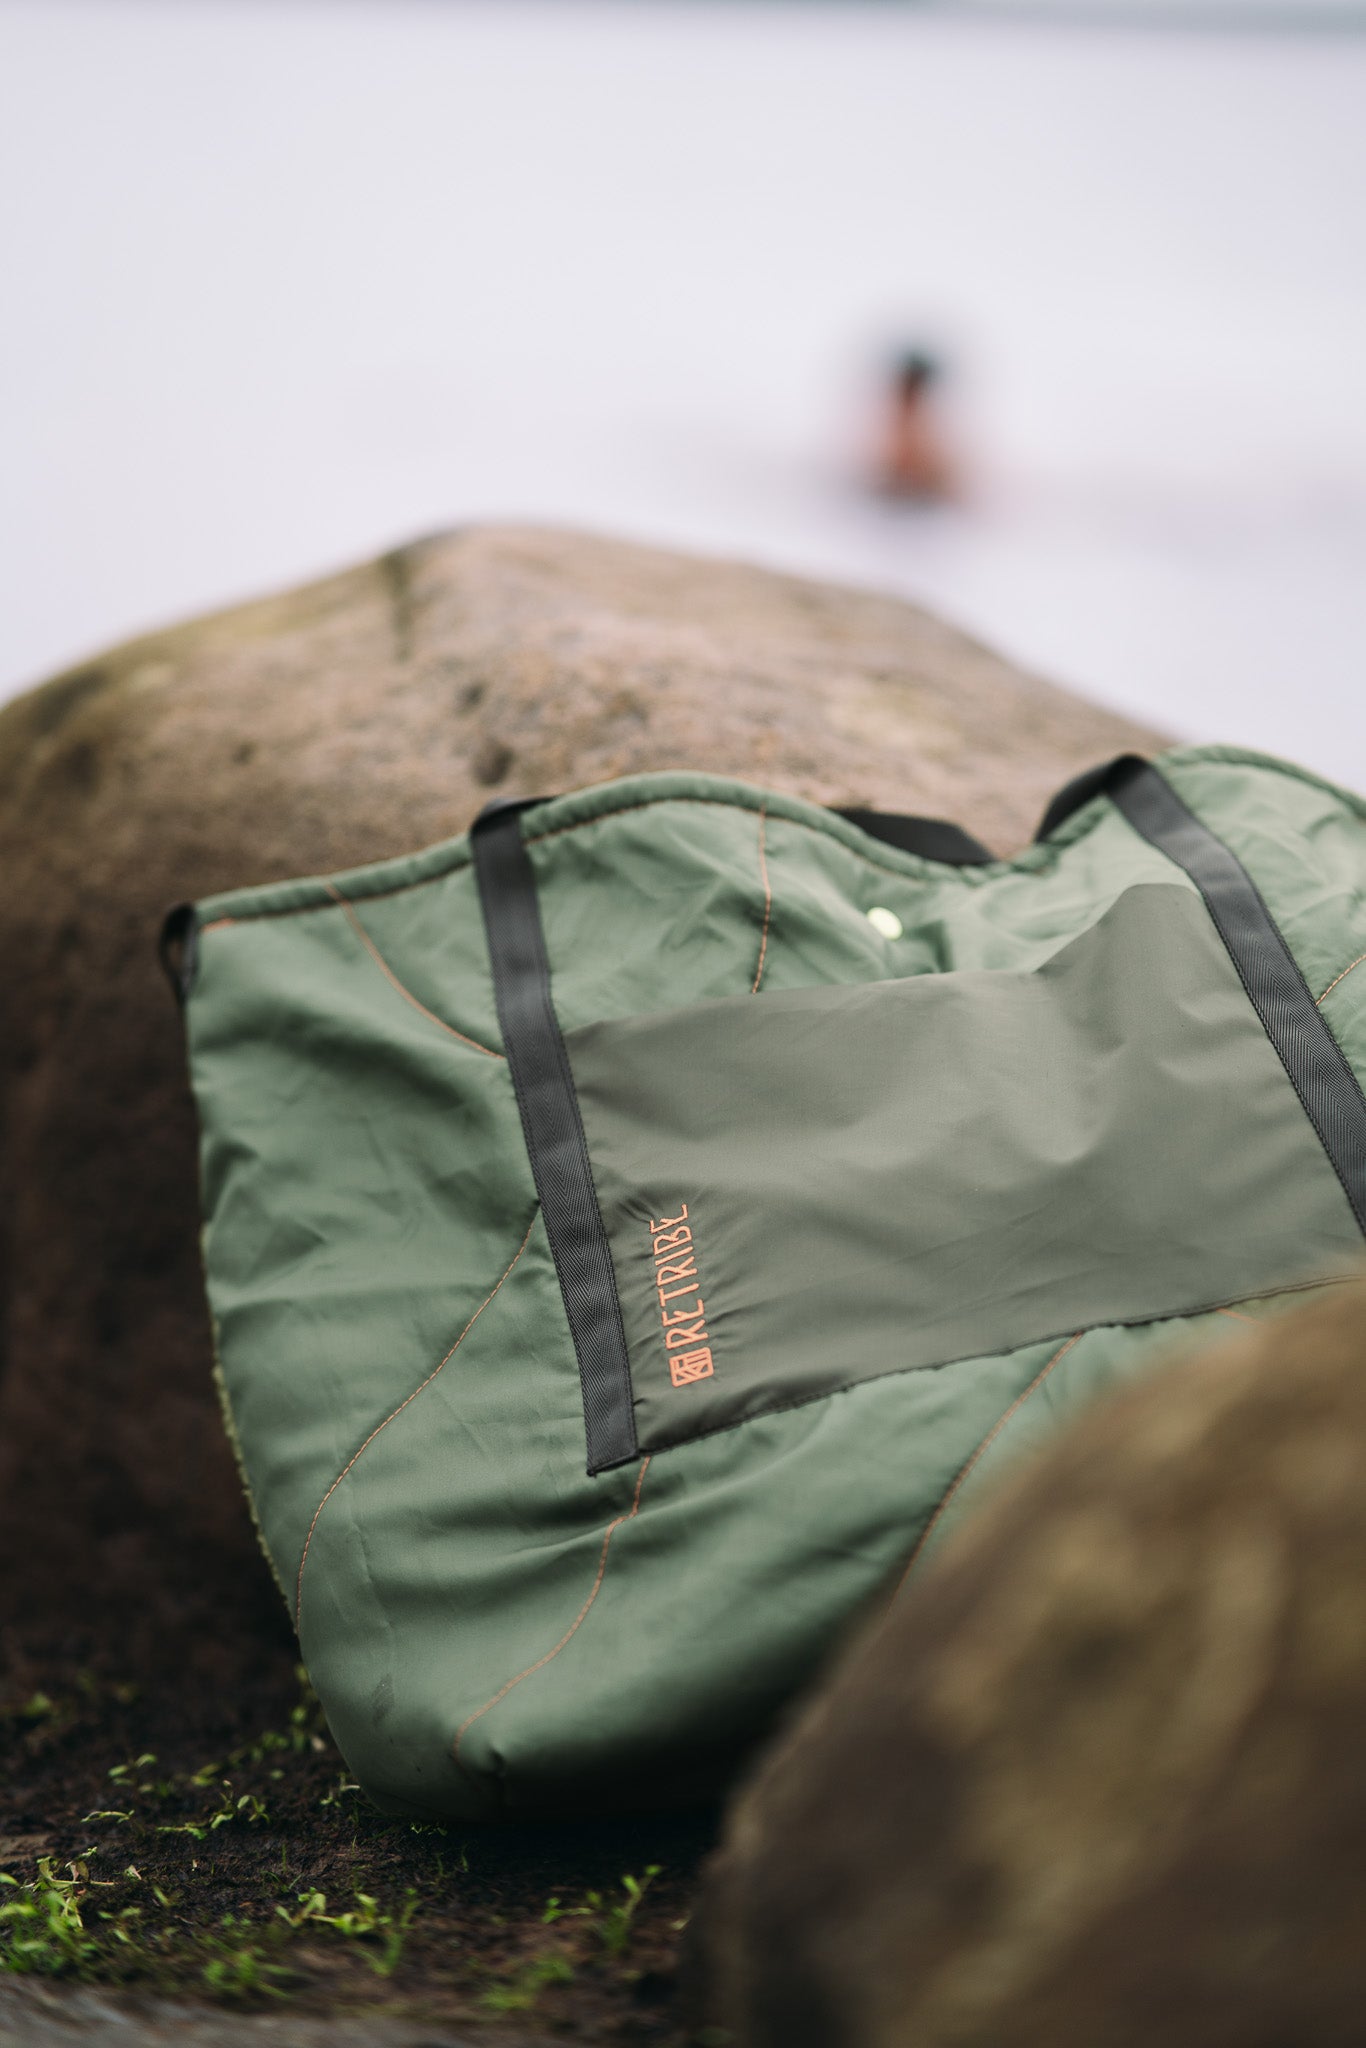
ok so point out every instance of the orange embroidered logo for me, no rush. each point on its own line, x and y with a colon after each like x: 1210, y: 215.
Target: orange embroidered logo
x: 689, y: 1366
x: 686, y: 1342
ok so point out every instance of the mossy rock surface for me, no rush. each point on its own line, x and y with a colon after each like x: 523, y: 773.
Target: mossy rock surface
x: 345, y: 722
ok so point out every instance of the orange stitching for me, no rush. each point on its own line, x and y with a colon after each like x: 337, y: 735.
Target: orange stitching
x: 1236, y: 1314
x: 541, y: 1662
x: 980, y: 1452
x: 1340, y: 977
x: 308, y: 909
x: 1289, y: 1287
x: 387, y: 971
x: 299, y: 1587
x: 768, y: 899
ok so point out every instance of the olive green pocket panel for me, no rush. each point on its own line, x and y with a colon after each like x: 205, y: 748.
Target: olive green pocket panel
x: 905, y: 1173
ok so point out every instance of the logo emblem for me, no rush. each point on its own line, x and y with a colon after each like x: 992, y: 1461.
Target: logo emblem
x: 687, y: 1366
x: 682, y: 1311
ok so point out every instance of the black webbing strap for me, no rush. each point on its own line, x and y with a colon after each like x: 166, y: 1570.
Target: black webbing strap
x: 1318, y: 1069
x: 178, y: 949
x: 931, y: 838
x: 553, y: 1129
x: 1080, y: 790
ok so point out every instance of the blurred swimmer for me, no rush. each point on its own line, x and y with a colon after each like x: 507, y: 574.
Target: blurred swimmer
x: 913, y: 460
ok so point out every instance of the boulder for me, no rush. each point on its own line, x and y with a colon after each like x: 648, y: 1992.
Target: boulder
x: 1097, y: 1779
x: 341, y: 723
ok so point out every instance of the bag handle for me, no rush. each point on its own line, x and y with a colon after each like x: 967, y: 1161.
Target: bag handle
x: 178, y: 949
x: 1106, y: 780
x: 930, y: 838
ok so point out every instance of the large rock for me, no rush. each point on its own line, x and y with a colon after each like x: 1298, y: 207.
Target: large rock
x: 1099, y: 1779
x: 342, y: 723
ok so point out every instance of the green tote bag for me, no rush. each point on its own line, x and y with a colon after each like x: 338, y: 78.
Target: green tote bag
x: 637, y: 1230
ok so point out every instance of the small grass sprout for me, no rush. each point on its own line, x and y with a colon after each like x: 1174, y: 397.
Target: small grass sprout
x: 524, y: 1987
x: 307, y: 1731
x: 307, y: 1722
x: 129, y: 1778
x: 42, y: 1931
x: 125, y: 1926
x: 240, y: 1967
x: 242, y: 1806
x: 339, y: 1791
x: 366, y: 1921
x: 612, y: 1923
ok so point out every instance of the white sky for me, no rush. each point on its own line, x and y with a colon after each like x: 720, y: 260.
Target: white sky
x: 285, y: 283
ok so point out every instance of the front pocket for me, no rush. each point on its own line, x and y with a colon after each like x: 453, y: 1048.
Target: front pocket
x: 838, y: 1183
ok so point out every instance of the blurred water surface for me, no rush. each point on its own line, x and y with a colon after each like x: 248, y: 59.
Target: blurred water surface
x: 285, y: 281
